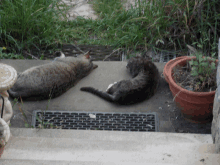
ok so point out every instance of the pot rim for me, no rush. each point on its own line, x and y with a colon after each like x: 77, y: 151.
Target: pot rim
x: 172, y: 82
x: 169, y: 64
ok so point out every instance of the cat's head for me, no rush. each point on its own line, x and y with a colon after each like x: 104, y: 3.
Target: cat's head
x: 135, y: 65
x: 84, y: 59
x: 87, y: 57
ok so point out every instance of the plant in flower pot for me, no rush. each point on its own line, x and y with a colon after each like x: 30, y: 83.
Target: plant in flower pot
x: 192, y: 82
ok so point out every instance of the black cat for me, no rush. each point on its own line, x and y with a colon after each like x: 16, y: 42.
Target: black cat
x: 143, y: 85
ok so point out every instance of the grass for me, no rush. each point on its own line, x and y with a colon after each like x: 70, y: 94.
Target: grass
x: 27, y: 24
x: 157, y: 25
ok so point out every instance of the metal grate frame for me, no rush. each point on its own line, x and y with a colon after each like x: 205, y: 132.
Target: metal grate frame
x: 141, y: 122
x: 167, y: 56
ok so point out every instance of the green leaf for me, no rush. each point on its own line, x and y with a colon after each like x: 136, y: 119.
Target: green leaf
x: 194, y: 73
x: 46, y: 123
x: 195, y: 63
x: 213, y: 66
x: 38, y: 118
x: 200, y: 59
x: 205, y: 64
x: 191, y: 62
x: 200, y: 70
x: 194, y: 68
x: 199, y: 45
x: 202, y: 78
x: 26, y: 125
x: 212, y: 59
x: 41, y: 57
x: 213, y: 54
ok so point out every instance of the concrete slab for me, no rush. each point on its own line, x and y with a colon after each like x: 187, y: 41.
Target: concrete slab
x: 75, y: 100
x: 103, y: 147
x: 118, y: 136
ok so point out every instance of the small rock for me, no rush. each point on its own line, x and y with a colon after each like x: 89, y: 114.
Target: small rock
x: 202, y: 160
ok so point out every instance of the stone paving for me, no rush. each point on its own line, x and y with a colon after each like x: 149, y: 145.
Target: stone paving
x: 79, y: 8
x: 84, y: 8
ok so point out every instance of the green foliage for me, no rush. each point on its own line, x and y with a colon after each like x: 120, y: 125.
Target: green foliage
x: 166, y: 24
x: 202, y: 67
x: 8, y: 55
x: 43, y: 124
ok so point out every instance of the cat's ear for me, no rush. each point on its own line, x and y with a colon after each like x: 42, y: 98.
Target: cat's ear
x: 62, y: 55
x: 87, y: 54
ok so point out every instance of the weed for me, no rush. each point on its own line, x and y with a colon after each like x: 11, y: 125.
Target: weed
x: 25, y: 119
x: 43, y: 124
x: 4, y: 55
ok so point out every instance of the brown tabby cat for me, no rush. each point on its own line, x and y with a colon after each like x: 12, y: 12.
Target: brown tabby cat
x: 143, y: 85
x: 52, y: 79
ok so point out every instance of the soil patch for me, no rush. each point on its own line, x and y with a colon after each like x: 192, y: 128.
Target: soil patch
x: 98, y: 53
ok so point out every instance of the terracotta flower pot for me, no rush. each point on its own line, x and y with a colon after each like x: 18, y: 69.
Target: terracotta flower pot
x: 168, y: 65
x: 195, y: 106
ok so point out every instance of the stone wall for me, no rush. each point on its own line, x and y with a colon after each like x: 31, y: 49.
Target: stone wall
x: 216, y: 110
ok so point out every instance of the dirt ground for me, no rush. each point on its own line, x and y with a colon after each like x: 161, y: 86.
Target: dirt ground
x: 183, y: 126
x: 179, y: 124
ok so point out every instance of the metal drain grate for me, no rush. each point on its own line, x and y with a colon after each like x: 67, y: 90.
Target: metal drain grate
x: 98, y: 121
x: 167, y: 56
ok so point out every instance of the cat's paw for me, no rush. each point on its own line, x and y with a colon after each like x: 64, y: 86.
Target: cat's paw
x: 110, y: 85
x: 95, y: 66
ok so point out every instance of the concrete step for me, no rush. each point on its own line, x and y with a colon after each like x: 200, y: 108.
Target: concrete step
x: 107, y: 147
x: 43, y: 162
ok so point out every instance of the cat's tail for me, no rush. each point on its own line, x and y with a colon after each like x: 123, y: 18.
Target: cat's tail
x: 99, y: 93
